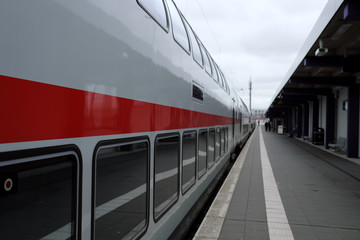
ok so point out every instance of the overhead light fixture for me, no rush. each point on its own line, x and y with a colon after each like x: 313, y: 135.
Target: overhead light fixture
x: 321, y: 51
x: 340, y: 31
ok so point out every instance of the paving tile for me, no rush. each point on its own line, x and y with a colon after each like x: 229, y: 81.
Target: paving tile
x: 313, y: 194
x: 233, y: 229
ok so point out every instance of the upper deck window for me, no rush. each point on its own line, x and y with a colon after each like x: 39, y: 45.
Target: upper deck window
x: 195, y: 45
x: 156, y: 9
x: 224, y: 80
x: 222, y: 84
x: 215, y: 72
x: 206, y: 61
x: 178, y: 27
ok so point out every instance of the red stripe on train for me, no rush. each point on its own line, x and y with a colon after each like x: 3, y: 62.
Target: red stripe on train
x: 33, y: 111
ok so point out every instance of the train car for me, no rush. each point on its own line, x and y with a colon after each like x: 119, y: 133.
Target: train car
x: 115, y: 123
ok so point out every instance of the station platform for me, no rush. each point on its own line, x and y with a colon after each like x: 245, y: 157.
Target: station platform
x: 284, y: 188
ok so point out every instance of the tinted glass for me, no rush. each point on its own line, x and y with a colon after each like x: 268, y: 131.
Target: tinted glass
x: 202, y: 152
x: 226, y: 139
x: 198, y: 93
x: 215, y: 72
x: 195, y: 45
x: 221, y: 79
x: 38, y: 199
x: 166, y: 173
x: 222, y: 147
x: 188, y: 161
x: 206, y: 60
x: 121, y: 190
x: 156, y: 9
x: 240, y: 121
x: 217, y: 144
x: 211, y: 149
x: 178, y: 27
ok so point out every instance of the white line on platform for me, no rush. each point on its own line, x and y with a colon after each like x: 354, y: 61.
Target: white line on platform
x: 278, y: 224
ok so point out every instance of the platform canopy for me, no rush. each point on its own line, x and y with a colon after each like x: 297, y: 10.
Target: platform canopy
x: 329, y: 58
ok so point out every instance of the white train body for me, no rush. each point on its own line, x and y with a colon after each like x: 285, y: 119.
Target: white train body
x: 105, y: 118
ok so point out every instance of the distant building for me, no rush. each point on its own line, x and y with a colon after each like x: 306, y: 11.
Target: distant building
x: 258, y: 113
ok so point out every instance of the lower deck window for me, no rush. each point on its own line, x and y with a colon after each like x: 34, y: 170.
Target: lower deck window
x: 121, y: 185
x: 211, y: 149
x: 222, y: 141
x: 166, y: 180
x: 188, y: 161
x: 38, y: 197
x: 202, y: 153
x: 226, y: 139
x: 217, y: 144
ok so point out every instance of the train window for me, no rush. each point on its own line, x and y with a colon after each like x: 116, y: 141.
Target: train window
x: 211, y: 149
x: 206, y: 61
x: 197, y: 92
x: 234, y: 115
x: 166, y: 175
x: 195, y: 45
x: 217, y: 144
x: 240, y: 121
x: 39, y: 196
x: 227, y: 87
x: 121, y: 189
x: 179, y: 31
x: 226, y: 139
x: 216, y: 76
x: 222, y: 84
x: 202, y: 152
x: 222, y: 141
x: 156, y: 9
x: 188, y: 160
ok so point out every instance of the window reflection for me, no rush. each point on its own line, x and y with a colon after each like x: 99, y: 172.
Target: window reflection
x: 202, y: 153
x: 195, y: 45
x: 166, y: 173
x: 217, y: 144
x: 178, y: 27
x: 222, y: 141
x: 211, y: 149
x: 121, y: 190
x: 188, y: 163
x: 156, y: 9
x: 38, y: 199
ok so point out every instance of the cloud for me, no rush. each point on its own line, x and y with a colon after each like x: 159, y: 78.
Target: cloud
x: 257, y: 38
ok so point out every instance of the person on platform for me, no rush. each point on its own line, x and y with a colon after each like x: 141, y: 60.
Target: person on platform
x: 269, y: 126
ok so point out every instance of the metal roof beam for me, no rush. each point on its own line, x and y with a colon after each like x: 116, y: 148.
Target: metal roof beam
x: 332, y: 61
x: 307, y: 91
x: 332, y: 81
x: 351, y: 64
x: 299, y: 96
x: 348, y: 64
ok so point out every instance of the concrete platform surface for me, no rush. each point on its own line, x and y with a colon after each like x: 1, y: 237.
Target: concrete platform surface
x: 283, y: 188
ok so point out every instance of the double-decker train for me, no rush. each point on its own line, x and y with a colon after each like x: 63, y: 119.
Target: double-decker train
x: 115, y: 121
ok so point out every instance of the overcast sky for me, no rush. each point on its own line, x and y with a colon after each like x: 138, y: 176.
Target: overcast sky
x: 257, y: 38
